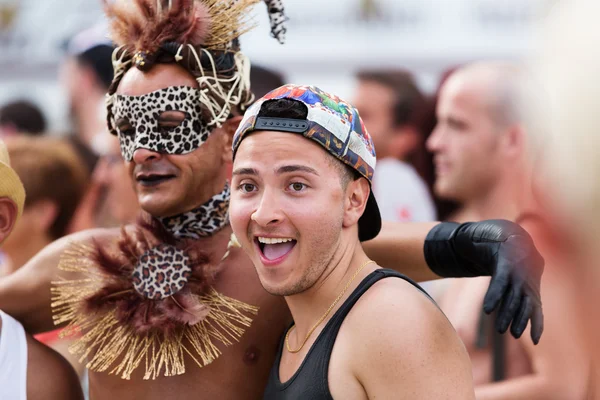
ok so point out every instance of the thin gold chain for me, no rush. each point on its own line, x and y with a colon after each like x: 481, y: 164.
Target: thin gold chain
x: 331, y: 307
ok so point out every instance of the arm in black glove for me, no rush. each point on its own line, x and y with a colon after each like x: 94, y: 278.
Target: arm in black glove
x: 500, y: 249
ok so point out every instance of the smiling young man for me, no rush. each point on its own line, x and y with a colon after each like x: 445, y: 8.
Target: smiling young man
x: 301, y: 205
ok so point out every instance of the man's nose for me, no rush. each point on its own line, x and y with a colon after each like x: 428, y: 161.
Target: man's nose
x: 435, y: 141
x: 268, y: 212
x: 141, y: 156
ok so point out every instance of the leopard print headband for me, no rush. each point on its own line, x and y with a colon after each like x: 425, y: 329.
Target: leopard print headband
x: 142, y: 114
x: 203, y: 221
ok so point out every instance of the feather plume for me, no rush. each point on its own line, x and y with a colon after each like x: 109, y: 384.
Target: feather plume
x: 143, y: 25
x: 123, y: 329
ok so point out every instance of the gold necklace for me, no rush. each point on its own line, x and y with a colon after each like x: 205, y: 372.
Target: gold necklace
x: 287, y: 335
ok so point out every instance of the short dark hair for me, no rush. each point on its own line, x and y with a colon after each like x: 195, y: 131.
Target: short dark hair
x: 99, y: 59
x: 409, y: 101
x: 294, y: 109
x: 25, y: 116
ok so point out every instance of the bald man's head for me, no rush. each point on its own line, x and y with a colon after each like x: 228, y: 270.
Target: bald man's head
x: 482, y: 114
x: 502, y: 87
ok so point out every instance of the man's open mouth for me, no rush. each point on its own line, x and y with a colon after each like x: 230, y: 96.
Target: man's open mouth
x: 274, y: 248
x: 153, y: 180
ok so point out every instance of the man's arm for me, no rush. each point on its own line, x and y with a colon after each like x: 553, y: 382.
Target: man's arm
x: 399, y: 246
x: 26, y: 295
x: 406, y: 348
x: 497, y: 248
x: 49, y: 375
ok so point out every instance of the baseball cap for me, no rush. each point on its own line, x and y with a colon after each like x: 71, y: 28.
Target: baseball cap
x: 332, y: 123
x: 10, y: 184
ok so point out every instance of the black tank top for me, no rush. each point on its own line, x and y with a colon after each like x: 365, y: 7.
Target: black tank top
x: 311, y: 380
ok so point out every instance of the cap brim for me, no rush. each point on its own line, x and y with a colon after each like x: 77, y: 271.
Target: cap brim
x: 369, y: 224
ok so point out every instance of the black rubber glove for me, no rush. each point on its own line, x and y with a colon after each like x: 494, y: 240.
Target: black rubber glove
x: 500, y: 249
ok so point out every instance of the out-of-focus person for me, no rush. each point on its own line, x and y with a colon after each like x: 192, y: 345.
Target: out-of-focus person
x: 117, y: 202
x: 28, y: 369
x: 480, y: 147
x: 55, y: 181
x: 392, y: 107
x: 21, y: 117
x: 568, y: 176
x: 85, y: 75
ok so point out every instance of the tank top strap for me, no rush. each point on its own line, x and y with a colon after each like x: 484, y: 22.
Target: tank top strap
x: 336, y: 321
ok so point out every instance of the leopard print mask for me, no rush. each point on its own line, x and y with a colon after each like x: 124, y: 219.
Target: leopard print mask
x: 202, y: 221
x: 143, y: 113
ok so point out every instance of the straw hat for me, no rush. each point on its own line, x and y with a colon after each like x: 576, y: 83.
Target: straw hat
x: 10, y: 184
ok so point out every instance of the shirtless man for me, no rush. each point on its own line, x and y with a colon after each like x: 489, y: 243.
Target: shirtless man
x: 28, y: 369
x: 180, y: 179
x: 300, y: 207
x: 483, y: 120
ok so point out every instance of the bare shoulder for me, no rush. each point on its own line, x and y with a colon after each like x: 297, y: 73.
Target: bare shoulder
x: 49, y: 375
x: 407, y: 344
x: 402, y: 305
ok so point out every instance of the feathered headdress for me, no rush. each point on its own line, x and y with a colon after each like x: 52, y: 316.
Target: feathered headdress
x: 200, y: 35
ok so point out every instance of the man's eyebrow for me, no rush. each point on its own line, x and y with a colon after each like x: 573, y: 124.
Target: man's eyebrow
x: 296, y: 168
x: 245, y: 171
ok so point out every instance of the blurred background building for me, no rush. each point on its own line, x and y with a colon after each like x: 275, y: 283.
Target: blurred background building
x: 327, y: 41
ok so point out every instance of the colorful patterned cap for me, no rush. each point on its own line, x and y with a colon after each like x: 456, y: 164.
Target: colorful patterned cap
x: 331, y: 122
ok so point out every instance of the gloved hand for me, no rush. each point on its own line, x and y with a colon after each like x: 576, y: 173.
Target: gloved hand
x: 500, y: 249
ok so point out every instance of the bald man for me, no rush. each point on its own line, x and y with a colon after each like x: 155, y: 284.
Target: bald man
x: 481, y: 157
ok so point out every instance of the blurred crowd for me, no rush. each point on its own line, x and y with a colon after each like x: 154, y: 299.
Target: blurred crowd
x: 497, y: 140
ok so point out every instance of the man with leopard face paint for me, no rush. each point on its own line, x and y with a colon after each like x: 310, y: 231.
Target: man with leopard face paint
x: 170, y: 307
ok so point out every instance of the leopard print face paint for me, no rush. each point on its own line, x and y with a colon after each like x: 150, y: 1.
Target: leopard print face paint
x: 139, y: 125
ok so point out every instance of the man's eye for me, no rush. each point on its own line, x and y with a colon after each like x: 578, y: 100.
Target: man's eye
x: 127, y: 131
x: 166, y: 128
x: 297, y: 186
x: 247, y: 187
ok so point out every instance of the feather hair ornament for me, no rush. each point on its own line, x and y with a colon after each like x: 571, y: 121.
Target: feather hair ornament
x: 125, y: 326
x: 200, y: 35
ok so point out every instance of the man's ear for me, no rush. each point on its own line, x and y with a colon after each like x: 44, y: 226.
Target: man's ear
x: 514, y: 140
x: 357, y: 195
x: 405, y: 142
x: 229, y: 127
x: 8, y: 217
x: 45, y: 212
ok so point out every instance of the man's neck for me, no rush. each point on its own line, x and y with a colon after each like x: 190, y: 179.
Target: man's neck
x: 307, y: 307
x: 203, y: 220
x: 506, y: 200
